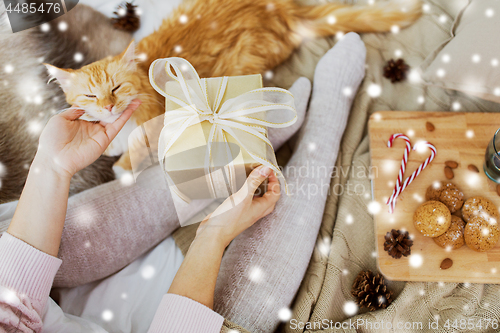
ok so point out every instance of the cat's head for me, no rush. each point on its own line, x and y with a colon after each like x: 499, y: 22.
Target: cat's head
x: 104, y: 88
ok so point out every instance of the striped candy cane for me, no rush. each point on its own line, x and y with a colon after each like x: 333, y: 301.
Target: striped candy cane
x: 403, y: 163
x: 415, y: 173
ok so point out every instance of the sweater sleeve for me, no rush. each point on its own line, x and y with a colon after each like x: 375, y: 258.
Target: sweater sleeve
x: 26, y: 276
x: 181, y: 314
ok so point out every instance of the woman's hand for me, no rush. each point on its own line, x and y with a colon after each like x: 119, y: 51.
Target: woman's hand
x: 197, y: 275
x: 242, y: 209
x: 68, y: 144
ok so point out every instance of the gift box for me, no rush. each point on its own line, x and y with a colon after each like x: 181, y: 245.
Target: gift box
x: 215, y: 129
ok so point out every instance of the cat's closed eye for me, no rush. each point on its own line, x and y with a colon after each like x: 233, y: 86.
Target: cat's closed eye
x: 90, y: 96
x: 116, y: 88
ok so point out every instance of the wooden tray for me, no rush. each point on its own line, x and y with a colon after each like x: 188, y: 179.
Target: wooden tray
x: 458, y: 136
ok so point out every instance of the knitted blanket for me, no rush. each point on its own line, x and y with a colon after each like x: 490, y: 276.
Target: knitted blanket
x: 347, y: 227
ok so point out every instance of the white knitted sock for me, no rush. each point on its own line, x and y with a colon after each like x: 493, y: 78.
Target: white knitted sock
x: 264, y: 266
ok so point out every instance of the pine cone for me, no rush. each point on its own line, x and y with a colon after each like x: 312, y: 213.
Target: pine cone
x: 398, y: 243
x: 396, y: 70
x: 126, y: 17
x: 371, y: 291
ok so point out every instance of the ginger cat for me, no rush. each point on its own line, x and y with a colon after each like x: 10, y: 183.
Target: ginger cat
x: 219, y: 38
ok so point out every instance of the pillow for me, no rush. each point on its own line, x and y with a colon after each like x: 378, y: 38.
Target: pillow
x: 469, y: 61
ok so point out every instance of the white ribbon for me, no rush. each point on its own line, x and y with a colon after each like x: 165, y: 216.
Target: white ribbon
x: 239, y: 117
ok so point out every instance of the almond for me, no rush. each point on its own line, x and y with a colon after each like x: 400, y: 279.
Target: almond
x: 446, y: 263
x: 498, y: 189
x: 448, y: 172
x: 451, y: 164
x: 430, y: 126
x: 473, y: 168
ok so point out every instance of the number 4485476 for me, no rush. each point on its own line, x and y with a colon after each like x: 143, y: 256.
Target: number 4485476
x: 34, y: 8
x: 472, y: 323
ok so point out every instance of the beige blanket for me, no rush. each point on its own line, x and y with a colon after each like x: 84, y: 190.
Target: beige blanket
x: 327, y: 284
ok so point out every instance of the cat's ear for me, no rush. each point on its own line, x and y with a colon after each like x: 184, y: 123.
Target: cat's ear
x: 63, y: 76
x: 128, y: 56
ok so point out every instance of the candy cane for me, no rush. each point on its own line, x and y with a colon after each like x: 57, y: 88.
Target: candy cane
x: 403, y: 162
x: 415, y: 173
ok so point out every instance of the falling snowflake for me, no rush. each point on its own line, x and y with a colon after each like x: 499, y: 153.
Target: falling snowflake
x: 285, y: 314
x: 122, y: 11
x: 416, y: 260
x: 324, y: 247
x: 178, y: 49
x: 398, y: 53
x: 332, y: 19
x: 347, y: 91
x: 496, y: 91
x: 395, y: 29
x: 268, y: 75
x: 148, y: 272
x: 78, y: 57
x: 374, y: 90
x: 443, y: 18
x: 3, y: 169
x: 374, y: 207
x: 312, y: 146
x: 445, y: 58
x: 107, y: 315
x: 85, y: 38
x: 45, y: 27
x: 34, y: 127
x: 183, y: 19
x: 350, y: 308
x: 421, y: 292
x: 440, y: 72
x: 476, y: 58
x: 469, y: 134
x: 426, y: 8
x: 142, y: 56
x: 127, y: 179
x: 339, y: 35
x: 456, y: 106
x: 345, y: 271
x: 8, y: 68
x: 494, y: 62
x: 256, y: 274
x: 270, y: 6
x: 138, y: 11
x: 418, y: 197
x: 124, y: 296
x: 411, y: 132
x: 63, y: 26
x: 421, y: 100
x: 489, y: 12
x: 349, y: 219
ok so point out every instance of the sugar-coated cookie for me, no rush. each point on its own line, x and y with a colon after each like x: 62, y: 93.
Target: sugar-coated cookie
x: 453, y: 238
x: 447, y: 193
x: 479, y: 206
x: 481, y: 234
x: 432, y: 218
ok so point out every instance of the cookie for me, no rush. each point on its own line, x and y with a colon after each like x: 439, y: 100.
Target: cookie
x: 432, y: 218
x: 453, y: 238
x: 447, y: 193
x: 481, y: 234
x: 479, y: 206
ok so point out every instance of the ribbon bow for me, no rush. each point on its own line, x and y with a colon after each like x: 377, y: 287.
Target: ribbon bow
x: 245, y: 117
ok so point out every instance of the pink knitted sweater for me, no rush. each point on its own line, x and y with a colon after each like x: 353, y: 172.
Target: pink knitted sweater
x: 26, y: 276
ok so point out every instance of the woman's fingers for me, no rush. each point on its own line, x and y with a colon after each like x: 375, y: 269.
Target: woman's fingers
x: 73, y: 113
x: 266, y: 203
x: 255, y: 178
x: 113, y: 128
